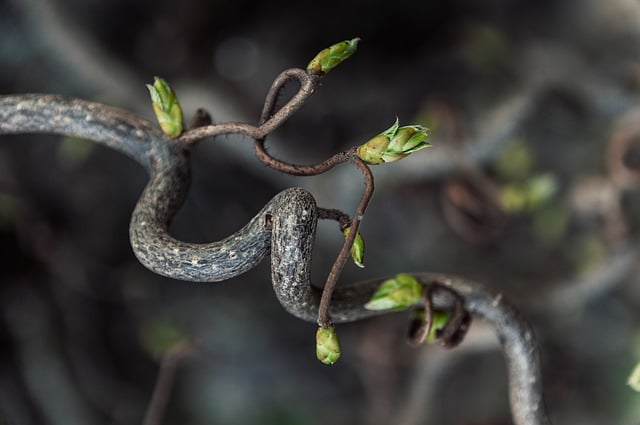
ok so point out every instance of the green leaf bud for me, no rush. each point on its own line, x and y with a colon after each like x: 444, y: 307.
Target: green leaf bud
x: 166, y: 107
x: 327, y: 345
x: 396, y: 293
x: 332, y: 56
x: 394, y: 144
x: 357, y: 249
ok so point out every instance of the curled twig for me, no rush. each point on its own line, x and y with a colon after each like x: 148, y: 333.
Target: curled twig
x: 454, y: 330
x: 285, y: 228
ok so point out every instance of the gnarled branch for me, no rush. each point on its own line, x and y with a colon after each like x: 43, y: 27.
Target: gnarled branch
x: 285, y: 227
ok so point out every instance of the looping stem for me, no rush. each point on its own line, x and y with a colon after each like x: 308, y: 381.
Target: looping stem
x: 271, y: 119
x: 269, y: 122
x: 419, y: 334
x: 168, y: 168
x: 456, y: 328
x: 343, y: 219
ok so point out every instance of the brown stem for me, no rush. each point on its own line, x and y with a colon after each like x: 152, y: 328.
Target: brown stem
x: 308, y: 83
x: 343, y: 219
x: 324, y: 318
x: 190, y: 137
x: 302, y: 170
x: 418, y: 335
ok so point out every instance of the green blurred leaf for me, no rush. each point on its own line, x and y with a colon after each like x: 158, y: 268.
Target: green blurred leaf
x: 73, y: 150
x: 634, y: 378
x: 550, y: 223
x: 515, y: 162
x: 159, y: 335
x: 540, y: 189
x: 513, y: 198
x: 529, y: 195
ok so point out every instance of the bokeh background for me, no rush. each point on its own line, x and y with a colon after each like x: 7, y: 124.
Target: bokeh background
x: 530, y: 187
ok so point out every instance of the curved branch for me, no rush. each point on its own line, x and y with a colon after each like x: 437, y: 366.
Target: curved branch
x: 167, y: 165
x: 286, y: 226
x: 118, y: 129
x: 515, y: 335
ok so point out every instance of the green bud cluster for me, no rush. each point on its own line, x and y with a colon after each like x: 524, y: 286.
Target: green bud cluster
x: 394, y: 144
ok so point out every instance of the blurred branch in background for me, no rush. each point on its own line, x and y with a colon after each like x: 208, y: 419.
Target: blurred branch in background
x: 164, y: 385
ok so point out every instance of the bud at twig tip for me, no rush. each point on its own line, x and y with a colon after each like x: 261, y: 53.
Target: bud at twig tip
x: 166, y: 107
x: 327, y: 345
x: 332, y: 56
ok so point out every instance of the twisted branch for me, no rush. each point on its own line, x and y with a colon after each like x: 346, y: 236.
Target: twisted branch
x: 285, y: 227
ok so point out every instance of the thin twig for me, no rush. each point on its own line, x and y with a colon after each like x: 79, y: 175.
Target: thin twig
x: 324, y: 318
x: 308, y: 84
x: 419, y: 335
x: 285, y: 228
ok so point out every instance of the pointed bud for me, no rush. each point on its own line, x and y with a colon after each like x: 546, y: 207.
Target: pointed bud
x: 327, y: 345
x: 332, y: 56
x: 166, y: 107
x: 394, y: 144
x: 357, y: 249
x: 397, y: 293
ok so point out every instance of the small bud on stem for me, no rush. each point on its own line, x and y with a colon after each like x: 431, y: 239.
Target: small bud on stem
x: 166, y: 107
x: 357, y: 249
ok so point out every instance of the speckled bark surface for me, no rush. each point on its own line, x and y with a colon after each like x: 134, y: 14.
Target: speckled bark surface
x: 285, y: 227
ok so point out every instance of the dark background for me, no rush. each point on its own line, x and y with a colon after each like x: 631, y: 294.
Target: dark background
x: 503, y: 83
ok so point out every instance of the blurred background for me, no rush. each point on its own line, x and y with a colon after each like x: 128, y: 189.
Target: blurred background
x: 530, y: 187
